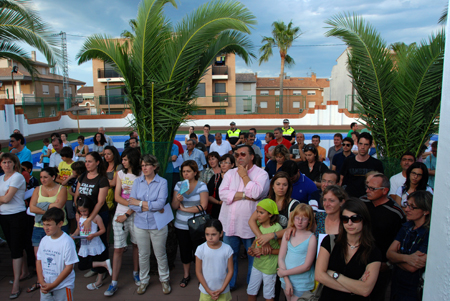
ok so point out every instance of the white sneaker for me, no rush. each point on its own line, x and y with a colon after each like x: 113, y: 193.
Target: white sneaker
x: 142, y: 288
x: 166, y: 287
x: 90, y: 274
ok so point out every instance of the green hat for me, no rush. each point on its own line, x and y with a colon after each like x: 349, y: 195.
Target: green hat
x: 269, y: 205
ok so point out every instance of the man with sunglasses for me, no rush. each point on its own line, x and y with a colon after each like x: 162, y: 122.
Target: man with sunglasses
x: 241, y: 189
x: 354, y: 169
x: 399, y: 179
x: 387, y: 218
x: 339, y: 158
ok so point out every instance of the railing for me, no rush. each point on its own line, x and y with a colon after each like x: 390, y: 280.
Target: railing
x: 113, y: 100
x: 106, y: 73
x: 220, y: 97
x: 220, y: 70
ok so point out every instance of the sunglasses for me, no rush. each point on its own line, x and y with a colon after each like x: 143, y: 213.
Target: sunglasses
x: 241, y: 154
x: 346, y: 144
x: 310, y: 148
x: 355, y: 219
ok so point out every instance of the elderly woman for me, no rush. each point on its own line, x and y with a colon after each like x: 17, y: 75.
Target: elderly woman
x: 312, y: 167
x: 348, y: 264
x: 409, y: 250
x: 227, y: 162
x: 148, y: 195
x: 187, y: 205
x: 213, y: 168
x: 416, y: 179
x: 281, y: 154
x: 12, y: 217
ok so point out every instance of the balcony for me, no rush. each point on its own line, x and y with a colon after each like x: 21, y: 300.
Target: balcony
x: 220, y: 97
x: 111, y: 74
x: 113, y: 100
x: 219, y: 72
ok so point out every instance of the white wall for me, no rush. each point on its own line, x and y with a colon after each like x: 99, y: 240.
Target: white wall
x: 241, y: 94
x: 341, y: 84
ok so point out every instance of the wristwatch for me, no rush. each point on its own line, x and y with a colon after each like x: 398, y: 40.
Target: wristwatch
x: 127, y: 215
x: 243, y: 195
x: 336, y: 275
x: 140, y: 204
x: 275, y: 236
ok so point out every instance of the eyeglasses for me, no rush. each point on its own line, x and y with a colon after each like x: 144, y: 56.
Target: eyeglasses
x: 301, y: 219
x: 374, y: 188
x: 355, y: 219
x: 146, y: 165
x: 224, y: 163
x: 346, y: 144
x: 328, y: 182
x: 416, y: 174
x: 410, y: 207
x: 242, y: 154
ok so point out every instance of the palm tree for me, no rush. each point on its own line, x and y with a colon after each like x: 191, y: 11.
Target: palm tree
x: 164, y: 65
x: 126, y: 34
x: 282, y: 37
x: 399, y: 93
x: 19, y: 23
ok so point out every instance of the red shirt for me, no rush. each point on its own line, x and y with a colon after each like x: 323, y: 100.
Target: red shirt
x: 180, y: 147
x: 275, y: 143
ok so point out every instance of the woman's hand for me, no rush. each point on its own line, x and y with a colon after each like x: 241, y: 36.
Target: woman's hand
x: 121, y: 218
x: 133, y: 201
x: 365, y: 276
x: 87, y: 226
x: 264, y: 238
x: 417, y: 260
x: 90, y: 237
x: 179, y: 197
x: 289, y: 232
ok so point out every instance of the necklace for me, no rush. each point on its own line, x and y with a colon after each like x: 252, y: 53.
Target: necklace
x: 352, y: 247
x: 52, y: 188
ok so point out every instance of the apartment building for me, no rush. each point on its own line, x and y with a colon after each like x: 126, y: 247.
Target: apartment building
x: 299, y: 93
x: 42, y: 97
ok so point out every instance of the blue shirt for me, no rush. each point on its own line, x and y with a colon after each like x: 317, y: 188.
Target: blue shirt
x: 303, y: 188
x: 155, y: 194
x: 338, y: 160
x: 211, y: 138
x: 257, y: 142
x: 24, y: 155
x: 44, y: 152
x: 173, y: 152
x: 197, y: 155
x: 430, y: 162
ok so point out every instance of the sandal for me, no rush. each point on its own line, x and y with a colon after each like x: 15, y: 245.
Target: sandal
x: 93, y: 286
x: 29, y: 276
x: 33, y: 288
x: 185, y: 281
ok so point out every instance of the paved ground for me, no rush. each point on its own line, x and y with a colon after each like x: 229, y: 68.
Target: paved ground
x: 127, y: 288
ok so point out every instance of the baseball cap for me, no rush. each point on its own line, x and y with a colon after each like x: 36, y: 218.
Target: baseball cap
x: 232, y: 123
x: 286, y: 120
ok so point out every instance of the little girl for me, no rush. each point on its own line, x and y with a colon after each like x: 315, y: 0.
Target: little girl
x: 214, y: 264
x: 296, y: 257
x: 92, y: 253
x: 265, y: 266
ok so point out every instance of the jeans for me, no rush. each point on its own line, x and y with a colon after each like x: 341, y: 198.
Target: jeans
x: 235, y: 244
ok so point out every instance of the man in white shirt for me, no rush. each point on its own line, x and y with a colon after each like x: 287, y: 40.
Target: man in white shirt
x: 220, y: 146
x: 55, y: 157
x: 399, y: 179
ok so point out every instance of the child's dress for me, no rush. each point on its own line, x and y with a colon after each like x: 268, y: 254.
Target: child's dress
x: 296, y: 256
x: 90, y: 247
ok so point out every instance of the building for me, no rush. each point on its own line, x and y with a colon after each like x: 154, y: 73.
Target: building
x: 42, y: 97
x: 245, y: 93
x: 299, y: 93
x: 341, y: 84
x: 87, y: 94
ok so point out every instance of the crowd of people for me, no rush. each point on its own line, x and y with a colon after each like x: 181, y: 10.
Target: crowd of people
x: 347, y: 229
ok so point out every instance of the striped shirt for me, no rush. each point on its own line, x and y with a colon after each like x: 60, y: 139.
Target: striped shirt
x: 189, y: 200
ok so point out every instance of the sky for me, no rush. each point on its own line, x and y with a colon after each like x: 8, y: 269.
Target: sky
x: 405, y: 21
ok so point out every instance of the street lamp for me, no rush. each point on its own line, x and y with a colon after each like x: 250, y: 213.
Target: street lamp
x: 107, y: 93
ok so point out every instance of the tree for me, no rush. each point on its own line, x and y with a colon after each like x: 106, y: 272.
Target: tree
x: 399, y: 93
x: 164, y: 65
x: 282, y: 37
x: 19, y: 23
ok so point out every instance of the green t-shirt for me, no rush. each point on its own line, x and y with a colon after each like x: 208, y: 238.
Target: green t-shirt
x: 349, y: 134
x: 268, y: 264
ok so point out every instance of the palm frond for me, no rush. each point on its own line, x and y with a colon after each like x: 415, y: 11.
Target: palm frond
x: 16, y: 53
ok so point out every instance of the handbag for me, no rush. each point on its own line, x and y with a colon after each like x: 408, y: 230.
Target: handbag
x: 315, y: 296
x: 197, y: 224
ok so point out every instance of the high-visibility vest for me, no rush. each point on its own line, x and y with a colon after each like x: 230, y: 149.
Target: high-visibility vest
x: 288, y: 132
x: 234, y: 134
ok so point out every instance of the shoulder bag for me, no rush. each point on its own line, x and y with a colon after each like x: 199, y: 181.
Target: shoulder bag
x: 197, y: 224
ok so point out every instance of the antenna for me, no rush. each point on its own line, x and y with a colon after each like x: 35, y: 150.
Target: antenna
x: 65, y: 68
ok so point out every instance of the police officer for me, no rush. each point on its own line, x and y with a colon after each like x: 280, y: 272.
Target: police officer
x: 233, y: 135
x: 288, y: 132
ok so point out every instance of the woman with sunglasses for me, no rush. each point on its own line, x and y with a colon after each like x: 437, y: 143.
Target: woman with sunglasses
x: 408, y: 252
x: 349, y: 268
x: 416, y: 179
x: 227, y: 162
x: 281, y: 154
x: 312, y: 167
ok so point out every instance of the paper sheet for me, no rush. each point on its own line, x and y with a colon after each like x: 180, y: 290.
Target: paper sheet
x: 162, y: 219
x: 178, y: 162
x: 28, y: 194
x: 321, y: 237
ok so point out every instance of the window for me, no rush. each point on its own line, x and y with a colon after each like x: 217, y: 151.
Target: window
x: 40, y: 114
x: 247, y: 87
x: 220, y: 88
x: 199, y: 112
x: 311, y: 92
x: 70, y: 91
x: 277, y: 104
x: 264, y: 92
x: 45, y: 89
x: 312, y: 104
x: 53, y: 114
x: 221, y: 112
x: 277, y: 92
x: 297, y: 92
x: 200, y: 92
x: 44, y: 71
x: 296, y: 104
x: 56, y: 91
x: 263, y: 104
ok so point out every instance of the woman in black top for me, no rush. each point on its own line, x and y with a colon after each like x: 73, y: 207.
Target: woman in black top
x: 350, y: 269
x: 226, y: 162
x: 312, y: 167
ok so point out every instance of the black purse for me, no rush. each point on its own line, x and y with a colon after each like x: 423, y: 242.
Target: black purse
x: 197, y: 224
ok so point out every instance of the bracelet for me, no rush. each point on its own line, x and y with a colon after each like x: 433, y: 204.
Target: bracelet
x: 127, y: 215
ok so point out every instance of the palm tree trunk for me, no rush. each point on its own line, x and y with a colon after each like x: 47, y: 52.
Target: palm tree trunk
x: 281, y: 85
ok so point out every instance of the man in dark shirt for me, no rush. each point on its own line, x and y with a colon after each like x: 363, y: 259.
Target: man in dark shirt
x: 355, y: 168
x: 339, y: 158
x: 302, y: 186
x: 387, y: 218
x: 207, y: 139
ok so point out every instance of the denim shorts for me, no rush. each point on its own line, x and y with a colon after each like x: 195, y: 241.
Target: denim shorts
x: 39, y: 233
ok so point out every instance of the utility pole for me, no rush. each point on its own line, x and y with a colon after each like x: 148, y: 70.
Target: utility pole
x: 65, y: 69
